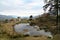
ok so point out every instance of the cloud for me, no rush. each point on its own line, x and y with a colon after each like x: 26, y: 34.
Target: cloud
x: 22, y: 13
x: 21, y: 7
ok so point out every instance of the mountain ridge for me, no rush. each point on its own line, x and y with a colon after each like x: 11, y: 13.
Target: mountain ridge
x: 4, y: 17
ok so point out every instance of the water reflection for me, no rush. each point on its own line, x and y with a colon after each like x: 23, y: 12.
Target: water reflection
x: 26, y: 29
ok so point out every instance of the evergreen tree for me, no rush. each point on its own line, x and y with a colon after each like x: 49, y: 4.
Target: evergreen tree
x: 31, y: 20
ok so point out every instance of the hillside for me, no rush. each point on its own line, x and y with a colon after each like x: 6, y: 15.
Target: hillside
x: 3, y: 17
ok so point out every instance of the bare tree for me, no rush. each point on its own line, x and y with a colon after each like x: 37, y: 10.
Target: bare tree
x: 52, y: 5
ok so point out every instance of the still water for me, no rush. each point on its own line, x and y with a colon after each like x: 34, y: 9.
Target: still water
x: 19, y: 28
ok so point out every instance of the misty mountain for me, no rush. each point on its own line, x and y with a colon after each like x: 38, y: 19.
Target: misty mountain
x: 3, y: 17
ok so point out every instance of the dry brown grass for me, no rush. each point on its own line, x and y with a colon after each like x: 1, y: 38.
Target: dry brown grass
x: 9, y: 28
x: 56, y: 37
x: 36, y: 38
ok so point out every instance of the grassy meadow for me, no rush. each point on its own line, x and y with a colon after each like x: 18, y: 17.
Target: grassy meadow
x: 7, y: 31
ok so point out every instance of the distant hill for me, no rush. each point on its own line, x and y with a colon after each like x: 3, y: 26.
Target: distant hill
x: 3, y: 17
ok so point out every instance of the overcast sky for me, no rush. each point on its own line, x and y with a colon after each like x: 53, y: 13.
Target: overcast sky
x: 21, y: 7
